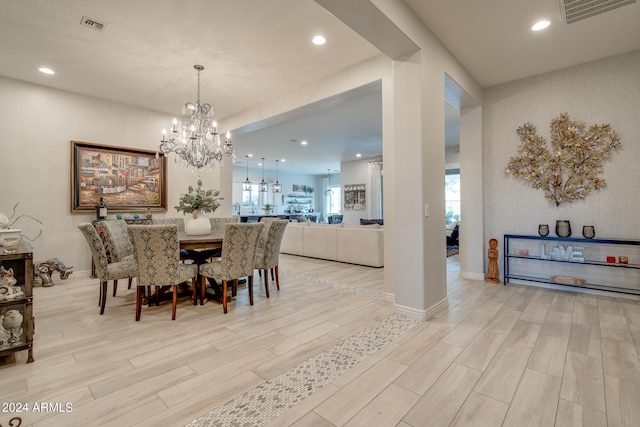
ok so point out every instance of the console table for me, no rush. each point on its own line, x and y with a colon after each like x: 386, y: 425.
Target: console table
x: 602, y: 264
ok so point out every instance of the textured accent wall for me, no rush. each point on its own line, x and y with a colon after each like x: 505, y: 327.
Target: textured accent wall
x: 604, y: 91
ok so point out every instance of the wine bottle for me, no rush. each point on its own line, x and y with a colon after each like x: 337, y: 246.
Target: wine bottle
x: 101, y: 210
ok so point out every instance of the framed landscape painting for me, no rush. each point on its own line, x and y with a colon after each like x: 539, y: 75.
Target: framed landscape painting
x: 128, y: 179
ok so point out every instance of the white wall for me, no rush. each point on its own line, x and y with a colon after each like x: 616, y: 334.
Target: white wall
x: 38, y: 125
x: 605, y: 91
x: 452, y: 157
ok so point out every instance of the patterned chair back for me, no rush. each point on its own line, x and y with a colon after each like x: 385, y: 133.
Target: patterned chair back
x: 116, y: 239
x: 98, y: 250
x: 157, y: 252
x: 270, y: 253
x: 262, y: 240
x: 164, y: 221
x: 218, y: 224
x: 239, y: 249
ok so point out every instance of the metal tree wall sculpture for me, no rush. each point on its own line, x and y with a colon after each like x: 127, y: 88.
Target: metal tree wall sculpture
x: 569, y: 170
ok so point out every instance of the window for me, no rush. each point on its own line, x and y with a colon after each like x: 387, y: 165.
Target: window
x: 452, y: 195
x: 255, y: 197
x: 335, y: 205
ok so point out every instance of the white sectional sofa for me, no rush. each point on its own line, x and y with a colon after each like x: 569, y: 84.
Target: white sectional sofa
x: 355, y: 244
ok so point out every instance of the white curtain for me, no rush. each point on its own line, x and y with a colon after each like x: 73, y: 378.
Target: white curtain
x: 374, y: 202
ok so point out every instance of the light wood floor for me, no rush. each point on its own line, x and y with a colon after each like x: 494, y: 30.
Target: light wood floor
x: 497, y: 355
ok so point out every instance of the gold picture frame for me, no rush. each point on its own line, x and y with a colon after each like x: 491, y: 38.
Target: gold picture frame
x: 128, y: 179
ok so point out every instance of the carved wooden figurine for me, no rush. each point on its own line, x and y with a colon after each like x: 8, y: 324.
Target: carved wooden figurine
x: 493, y: 272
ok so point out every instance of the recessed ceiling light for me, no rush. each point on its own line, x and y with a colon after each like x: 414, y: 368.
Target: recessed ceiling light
x: 303, y: 143
x: 358, y: 155
x: 283, y: 160
x: 318, y: 40
x: 46, y: 70
x: 249, y: 155
x: 540, y: 25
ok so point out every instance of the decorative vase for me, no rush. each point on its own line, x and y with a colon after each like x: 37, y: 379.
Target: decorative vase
x: 198, y: 225
x: 148, y: 214
x: 588, y: 232
x: 12, y: 322
x: 543, y: 230
x: 563, y: 228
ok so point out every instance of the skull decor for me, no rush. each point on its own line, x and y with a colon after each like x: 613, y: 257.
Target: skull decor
x: 8, y: 289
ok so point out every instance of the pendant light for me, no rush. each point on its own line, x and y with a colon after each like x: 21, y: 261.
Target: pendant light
x: 246, y: 185
x: 277, y: 187
x: 263, y: 184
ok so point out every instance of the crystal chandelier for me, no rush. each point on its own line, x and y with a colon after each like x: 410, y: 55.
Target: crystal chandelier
x: 277, y: 187
x: 194, y: 137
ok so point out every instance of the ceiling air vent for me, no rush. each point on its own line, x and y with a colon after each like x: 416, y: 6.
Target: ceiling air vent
x: 576, y: 10
x: 93, y: 24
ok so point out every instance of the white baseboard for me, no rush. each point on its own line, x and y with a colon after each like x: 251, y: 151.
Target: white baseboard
x: 471, y: 275
x: 421, y: 315
x: 411, y: 312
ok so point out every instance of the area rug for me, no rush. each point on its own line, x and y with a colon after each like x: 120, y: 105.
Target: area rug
x: 272, y: 398
x: 452, y: 250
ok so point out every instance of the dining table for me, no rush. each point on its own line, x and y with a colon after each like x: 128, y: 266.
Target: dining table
x: 201, y: 241
x: 199, y: 249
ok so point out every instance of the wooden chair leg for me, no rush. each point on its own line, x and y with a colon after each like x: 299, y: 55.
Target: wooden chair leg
x: 250, y: 285
x: 115, y: 287
x: 149, y: 296
x: 224, y: 296
x: 174, y: 302
x: 195, y: 291
x: 130, y: 281
x: 100, y: 295
x: 277, y: 277
x: 203, y: 289
x: 157, y: 296
x: 103, y: 300
x: 234, y: 288
x: 266, y: 282
x: 272, y: 278
x: 139, y: 291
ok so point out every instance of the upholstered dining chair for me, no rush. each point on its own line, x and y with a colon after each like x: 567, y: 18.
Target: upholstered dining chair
x: 106, y: 270
x: 218, y: 224
x: 238, y: 253
x: 267, y: 255
x: 266, y: 220
x: 157, y: 252
x: 117, y: 243
x: 179, y: 222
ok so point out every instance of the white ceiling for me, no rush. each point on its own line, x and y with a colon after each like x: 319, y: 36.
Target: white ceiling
x: 256, y: 50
